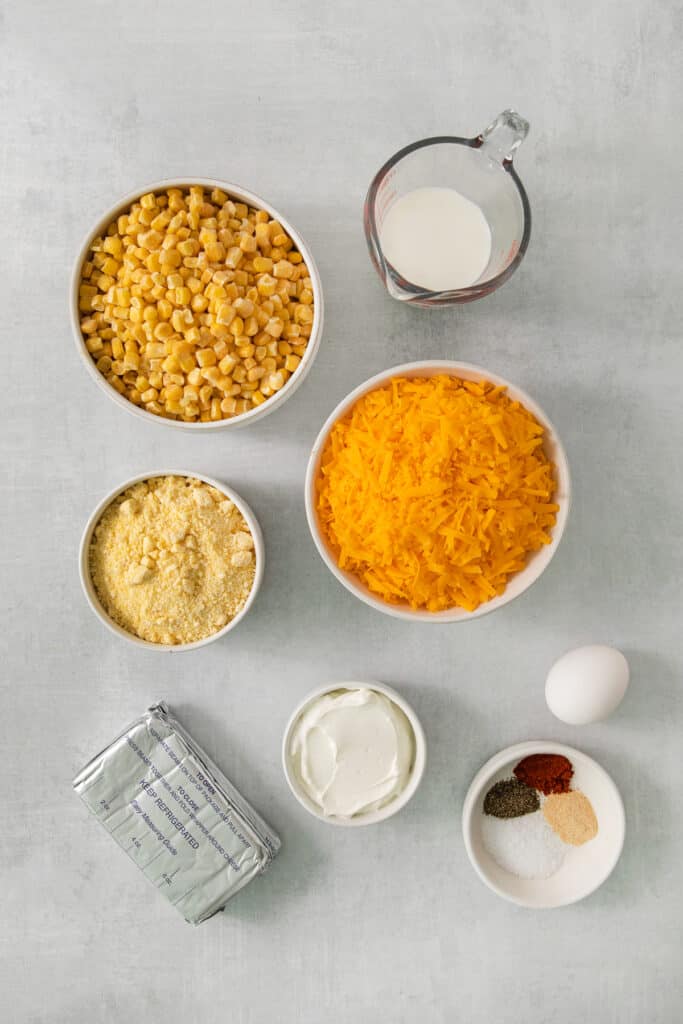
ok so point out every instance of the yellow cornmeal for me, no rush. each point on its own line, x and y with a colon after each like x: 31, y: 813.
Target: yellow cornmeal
x: 172, y: 560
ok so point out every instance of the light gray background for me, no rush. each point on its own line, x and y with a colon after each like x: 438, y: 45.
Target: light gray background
x: 302, y: 102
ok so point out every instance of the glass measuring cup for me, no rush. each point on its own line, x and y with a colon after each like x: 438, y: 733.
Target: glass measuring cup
x: 480, y: 169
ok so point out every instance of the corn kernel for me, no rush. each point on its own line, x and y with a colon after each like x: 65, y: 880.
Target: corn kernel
x: 170, y: 258
x: 94, y: 344
x: 206, y: 357
x: 233, y: 257
x: 283, y: 269
x: 114, y: 246
x: 188, y: 247
x: 150, y: 239
x: 266, y: 285
x: 303, y: 314
x: 163, y: 330
x: 237, y: 326
x: 171, y: 365
x: 245, y: 307
x: 105, y: 282
x: 215, y: 252
x: 247, y: 242
x: 131, y: 361
x: 199, y: 303
x: 227, y: 364
x: 212, y: 374
x: 276, y: 380
x: 225, y: 314
x: 274, y: 327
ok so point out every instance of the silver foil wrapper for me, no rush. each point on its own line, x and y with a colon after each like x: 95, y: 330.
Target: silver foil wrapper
x: 176, y: 815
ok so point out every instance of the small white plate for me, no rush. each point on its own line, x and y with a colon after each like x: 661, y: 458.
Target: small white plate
x: 585, y: 867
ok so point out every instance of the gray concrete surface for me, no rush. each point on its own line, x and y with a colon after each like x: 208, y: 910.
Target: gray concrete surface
x: 302, y: 102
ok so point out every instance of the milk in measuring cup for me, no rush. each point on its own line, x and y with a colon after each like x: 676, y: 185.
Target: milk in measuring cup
x: 436, y: 239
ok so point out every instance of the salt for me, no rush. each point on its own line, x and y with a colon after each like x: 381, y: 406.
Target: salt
x: 524, y: 846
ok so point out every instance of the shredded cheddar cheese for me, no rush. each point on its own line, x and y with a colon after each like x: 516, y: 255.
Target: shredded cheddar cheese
x: 434, y: 491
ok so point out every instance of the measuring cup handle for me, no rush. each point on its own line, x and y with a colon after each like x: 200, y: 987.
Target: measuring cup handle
x: 504, y: 136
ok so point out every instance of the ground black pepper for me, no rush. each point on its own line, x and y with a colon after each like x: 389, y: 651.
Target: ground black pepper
x: 510, y: 798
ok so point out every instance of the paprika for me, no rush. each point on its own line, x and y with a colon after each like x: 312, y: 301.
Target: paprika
x: 550, y: 773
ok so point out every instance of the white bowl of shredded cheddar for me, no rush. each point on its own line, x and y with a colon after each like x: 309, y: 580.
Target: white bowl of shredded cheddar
x: 437, y: 491
x: 171, y: 560
x: 195, y: 304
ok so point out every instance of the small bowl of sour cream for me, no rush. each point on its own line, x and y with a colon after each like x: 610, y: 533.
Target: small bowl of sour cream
x: 353, y: 753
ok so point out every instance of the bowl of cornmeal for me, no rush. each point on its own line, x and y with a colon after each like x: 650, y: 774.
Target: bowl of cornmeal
x: 171, y: 560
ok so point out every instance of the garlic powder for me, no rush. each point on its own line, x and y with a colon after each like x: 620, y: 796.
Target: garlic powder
x: 172, y: 560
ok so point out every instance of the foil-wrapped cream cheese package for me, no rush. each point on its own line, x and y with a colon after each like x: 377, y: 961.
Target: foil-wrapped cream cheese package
x: 176, y: 815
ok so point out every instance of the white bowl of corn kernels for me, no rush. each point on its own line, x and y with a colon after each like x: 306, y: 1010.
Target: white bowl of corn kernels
x: 196, y: 304
x: 171, y: 560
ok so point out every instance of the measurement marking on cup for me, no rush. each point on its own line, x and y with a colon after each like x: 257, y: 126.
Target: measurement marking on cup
x: 384, y: 203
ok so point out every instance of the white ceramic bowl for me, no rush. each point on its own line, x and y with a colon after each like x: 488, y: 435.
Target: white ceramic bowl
x: 585, y: 867
x: 417, y: 772
x: 242, y: 195
x: 89, y: 588
x: 537, y: 562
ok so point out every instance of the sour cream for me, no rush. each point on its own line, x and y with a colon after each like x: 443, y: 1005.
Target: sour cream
x: 352, y: 752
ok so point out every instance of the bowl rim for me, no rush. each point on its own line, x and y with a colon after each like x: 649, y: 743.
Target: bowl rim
x: 481, y: 780
x: 452, y: 368
x: 416, y: 775
x: 89, y: 587
x: 252, y: 199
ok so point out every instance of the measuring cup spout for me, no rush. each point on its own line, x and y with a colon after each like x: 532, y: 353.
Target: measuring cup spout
x: 504, y: 136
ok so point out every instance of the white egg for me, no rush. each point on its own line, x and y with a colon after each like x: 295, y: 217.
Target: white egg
x: 587, y: 684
